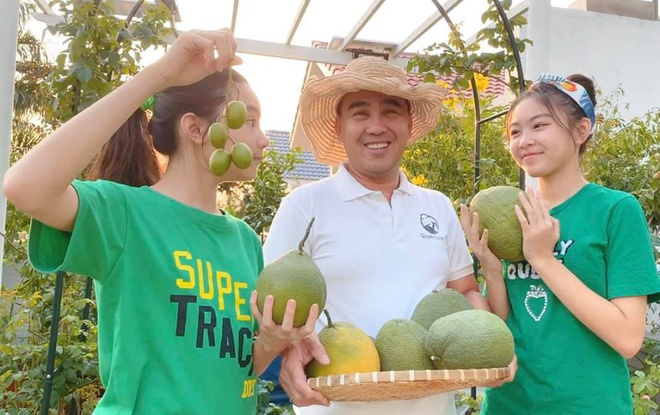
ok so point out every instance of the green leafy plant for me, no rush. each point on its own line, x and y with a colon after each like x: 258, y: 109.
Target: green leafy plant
x: 257, y: 201
x: 462, y: 61
x: 444, y: 160
x: 264, y: 405
x: 645, y: 379
x: 102, y: 50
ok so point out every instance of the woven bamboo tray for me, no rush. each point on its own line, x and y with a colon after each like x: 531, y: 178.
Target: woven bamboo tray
x: 402, y: 385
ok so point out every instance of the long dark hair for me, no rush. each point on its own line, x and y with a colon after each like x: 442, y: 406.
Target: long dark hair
x: 562, y: 108
x: 131, y: 155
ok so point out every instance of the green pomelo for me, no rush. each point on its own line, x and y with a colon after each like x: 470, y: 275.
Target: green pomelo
x: 293, y: 276
x: 400, y: 345
x: 495, y: 207
x: 471, y: 339
x: 439, y: 304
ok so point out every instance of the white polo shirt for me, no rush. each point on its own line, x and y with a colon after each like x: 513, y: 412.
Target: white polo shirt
x: 378, y: 259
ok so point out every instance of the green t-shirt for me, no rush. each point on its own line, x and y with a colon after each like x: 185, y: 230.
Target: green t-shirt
x: 563, y: 367
x: 173, y: 287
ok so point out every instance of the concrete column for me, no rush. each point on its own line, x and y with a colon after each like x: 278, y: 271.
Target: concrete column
x: 8, y: 43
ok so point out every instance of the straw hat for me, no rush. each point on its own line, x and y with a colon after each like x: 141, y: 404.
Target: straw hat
x: 320, y: 99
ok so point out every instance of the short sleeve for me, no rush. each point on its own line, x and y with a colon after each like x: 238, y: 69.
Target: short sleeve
x: 631, y: 269
x: 285, y: 232
x: 460, y: 260
x: 96, y: 241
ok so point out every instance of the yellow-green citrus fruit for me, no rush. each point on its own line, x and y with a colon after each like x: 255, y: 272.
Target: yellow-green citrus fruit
x: 219, y: 162
x: 495, y: 207
x: 350, y: 350
x: 218, y: 135
x: 241, y: 155
x: 236, y: 114
x: 429, y: 77
x: 293, y: 276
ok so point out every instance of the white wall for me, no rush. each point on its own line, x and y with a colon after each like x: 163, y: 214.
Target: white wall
x: 614, y: 50
x: 8, y: 34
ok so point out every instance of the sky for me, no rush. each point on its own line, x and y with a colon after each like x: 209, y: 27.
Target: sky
x: 278, y: 82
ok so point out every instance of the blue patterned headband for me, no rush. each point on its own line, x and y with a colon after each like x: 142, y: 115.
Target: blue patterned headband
x: 573, y: 90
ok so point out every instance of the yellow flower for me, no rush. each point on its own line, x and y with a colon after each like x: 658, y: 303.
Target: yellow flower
x: 482, y: 81
x: 443, y: 83
x: 452, y: 103
x: 420, y: 180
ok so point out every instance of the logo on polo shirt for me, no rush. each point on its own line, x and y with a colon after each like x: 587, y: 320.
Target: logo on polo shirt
x: 429, y: 223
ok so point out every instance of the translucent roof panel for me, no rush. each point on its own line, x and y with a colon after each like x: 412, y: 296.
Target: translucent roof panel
x: 396, y: 19
x: 324, y: 20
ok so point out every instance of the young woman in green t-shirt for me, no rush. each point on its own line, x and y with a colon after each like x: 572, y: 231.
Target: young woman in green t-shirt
x: 174, y: 275
x: 577, y: 304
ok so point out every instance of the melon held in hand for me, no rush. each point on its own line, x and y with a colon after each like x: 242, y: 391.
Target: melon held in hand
x: 495, y: 207
x: 293, y: 276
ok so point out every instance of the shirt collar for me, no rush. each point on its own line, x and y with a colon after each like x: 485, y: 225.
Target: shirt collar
x: 349, y: 188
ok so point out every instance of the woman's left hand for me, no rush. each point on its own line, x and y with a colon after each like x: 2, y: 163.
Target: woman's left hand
x: 540, y: 230
x: 276, y: 337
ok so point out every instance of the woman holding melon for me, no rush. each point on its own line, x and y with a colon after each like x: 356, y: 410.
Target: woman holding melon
x: 173, y: 273
x: 577, y: 303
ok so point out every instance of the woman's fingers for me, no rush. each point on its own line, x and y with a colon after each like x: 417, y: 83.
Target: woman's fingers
x: 524, y: 224
x: 267, y: 317
x: 255, y: 308
x: 484, y: 238
x: 289, y: 315
x: 223, y: 48
x: 310, y: 324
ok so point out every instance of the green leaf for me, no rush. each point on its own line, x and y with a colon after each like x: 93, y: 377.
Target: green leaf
x: 84, y: 74
x: 463, y: 83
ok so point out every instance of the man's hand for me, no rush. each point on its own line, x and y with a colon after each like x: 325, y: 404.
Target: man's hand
x: 292, y: 374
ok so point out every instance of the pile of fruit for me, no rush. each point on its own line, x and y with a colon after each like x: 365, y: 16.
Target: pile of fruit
x: 444, y: 332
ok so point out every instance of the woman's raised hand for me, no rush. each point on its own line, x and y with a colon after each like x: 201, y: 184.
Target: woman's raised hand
x: 195, y: 55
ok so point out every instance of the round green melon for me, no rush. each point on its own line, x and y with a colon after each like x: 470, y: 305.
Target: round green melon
x: 471, y: 339
x: 495, y: 207
x: 439, y: 303
x: 400, y: 345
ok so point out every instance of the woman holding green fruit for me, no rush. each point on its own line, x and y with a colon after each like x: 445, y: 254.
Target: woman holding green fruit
x: 173, y: 273
x: 577, y: 301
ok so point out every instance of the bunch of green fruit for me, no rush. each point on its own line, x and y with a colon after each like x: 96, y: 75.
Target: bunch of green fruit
x: 240, y: 154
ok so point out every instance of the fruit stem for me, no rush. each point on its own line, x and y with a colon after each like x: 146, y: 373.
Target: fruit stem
x: 301, y: 245
x: 327, y: 315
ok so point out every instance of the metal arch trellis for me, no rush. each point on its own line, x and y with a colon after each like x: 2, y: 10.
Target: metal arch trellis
x: 478, y: 121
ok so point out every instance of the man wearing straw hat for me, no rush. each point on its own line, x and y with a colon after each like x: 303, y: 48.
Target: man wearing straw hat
x: 381, y: 242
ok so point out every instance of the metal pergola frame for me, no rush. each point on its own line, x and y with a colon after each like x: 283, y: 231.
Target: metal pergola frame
x: 338, y: 53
